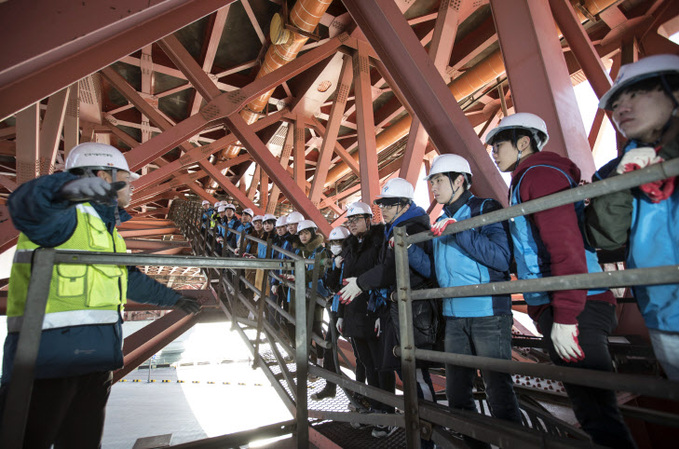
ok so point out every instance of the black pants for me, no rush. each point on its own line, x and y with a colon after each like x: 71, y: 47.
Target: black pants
x: 596, y: 409
x: 368, y: 350
x: 67, y: 412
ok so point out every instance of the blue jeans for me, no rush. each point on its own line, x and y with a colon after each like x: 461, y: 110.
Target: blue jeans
x: 489, y: 336
x: 596, y: 409
x: 666, y: 348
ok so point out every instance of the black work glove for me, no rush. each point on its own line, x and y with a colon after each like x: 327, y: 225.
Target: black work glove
x: 91, y: 189
x: 187, y: 305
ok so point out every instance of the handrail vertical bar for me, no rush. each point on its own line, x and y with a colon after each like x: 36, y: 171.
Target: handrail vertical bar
x: 407, y: 337
x: 301, y: 354
x: 21, y: 385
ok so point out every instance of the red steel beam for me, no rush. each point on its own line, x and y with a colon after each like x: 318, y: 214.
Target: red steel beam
x: 228, y: 186
x: 299, y: 147
x: 147, y: 232
x: 426, y: 92
x: 50, y: 131
x: 189, y: 67
x: 441, y: 46
x: 229, y: 103
x: 330, y: 135
x: 215, y: 36
x: 581, y: 46
x: 155, y: 245
x: 43, y: 53
x: 150, y: 212
x: 539, y: 78
x: 367, y: 148
x: 261, y: 154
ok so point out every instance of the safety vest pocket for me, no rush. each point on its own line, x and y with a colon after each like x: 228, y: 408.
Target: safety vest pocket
x: 72, y: 280
x: 100, y: 238
x: 105, y: 286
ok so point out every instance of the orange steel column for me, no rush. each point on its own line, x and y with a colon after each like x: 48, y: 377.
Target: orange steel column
x: 305, y: 15
x: 538, y: 75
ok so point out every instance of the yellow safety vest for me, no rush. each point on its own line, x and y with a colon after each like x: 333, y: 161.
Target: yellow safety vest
x: 79, y: 294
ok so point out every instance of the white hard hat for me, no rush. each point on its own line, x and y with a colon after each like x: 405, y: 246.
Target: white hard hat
x: 98, y: 156
x: 523, y: 120
x: 230, y: 206
x: 269, y: 217
x: 205, y: 202
x: 294, y: 218
x: 221, y: 209
x: 306, y: 224
x: 281, y: 221
x: 359, y: 208
x: 648, y: 67
x: 339, y: 233
x: 446, y: 163
x: 257, y: 218
x: 218, y: 203
x: 396, y: 188
x: 248, y: 211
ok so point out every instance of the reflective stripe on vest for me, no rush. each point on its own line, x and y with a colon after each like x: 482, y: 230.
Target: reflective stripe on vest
x: 75, y: 287
x: 66, y: 319
x: 528, y: 246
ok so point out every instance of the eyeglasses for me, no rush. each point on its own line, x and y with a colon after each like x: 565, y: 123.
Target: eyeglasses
x: 387, y: 206
x: 355, y: 219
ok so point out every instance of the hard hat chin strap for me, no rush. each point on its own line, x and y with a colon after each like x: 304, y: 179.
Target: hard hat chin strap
x: 116, y: 213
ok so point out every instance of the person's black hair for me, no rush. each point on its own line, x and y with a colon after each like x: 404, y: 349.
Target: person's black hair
x: 661, y: 83
x: 393, y: 201
x: 452, y: 175
x: 513, y: 135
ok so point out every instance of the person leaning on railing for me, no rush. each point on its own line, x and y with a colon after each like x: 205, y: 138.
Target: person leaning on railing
x: 479, y: 325
x: 81, y: 341
x: 575, y: 323
x: 644, y: 101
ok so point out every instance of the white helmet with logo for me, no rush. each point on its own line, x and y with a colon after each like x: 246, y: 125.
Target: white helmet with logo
x: 230, y: 206
x: 523, y: 120
x: 446, y: 163
x: 339, y: 233
x: 269, y: 217
x: 396, y: 188
x: 248, y: 211
x: 257, y: 218
x: 205, y: 202
x: 648, y: 67
x: 359, y: 208
x: 294, y: 218
x: 221, y: 209
x: 281, y: 221
x: 99, y: 156
x: 306, y: 224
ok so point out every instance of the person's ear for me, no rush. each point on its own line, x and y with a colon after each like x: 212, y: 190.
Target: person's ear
x: 523, y: 143
x: 106, y: 176
x: 459, y: 180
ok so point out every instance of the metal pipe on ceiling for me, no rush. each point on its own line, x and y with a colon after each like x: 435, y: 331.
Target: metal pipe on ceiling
x: 285, y: 46
x: 464, y: 85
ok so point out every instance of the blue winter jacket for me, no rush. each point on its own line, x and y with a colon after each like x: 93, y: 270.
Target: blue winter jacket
x: 476, y: 256
x: 653, y: 242
x: 49, y: 222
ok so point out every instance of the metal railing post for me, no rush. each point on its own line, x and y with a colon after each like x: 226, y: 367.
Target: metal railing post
x: 301, y: 355
x: 21, y: 385
x: 407, y: 338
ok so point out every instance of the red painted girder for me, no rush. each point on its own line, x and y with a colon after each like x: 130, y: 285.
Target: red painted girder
x: 189, y: 67
x: 147, y: 232
x: 426, y: 92
x: 228, y: 186
x: 441, y: 46
x: 367, y: 148
x: 28, y: 142
x: 142, y: 224
x: 228, y: 103
x: 8, y: 183
x: 299, y: 147
x: 261, y: 154
x: 8, y: 235
x: 539, y: 78
x: 50, y: 130
x: 155, y: 244
x: 148, y: 213
x: 154, y: 115
x: 330, y: 135
x: 203, y: 152
x: 339, y: 149
x: 581, y: 46
x: 473, y: 43
x: 43, y: 53
x: 169, y: 251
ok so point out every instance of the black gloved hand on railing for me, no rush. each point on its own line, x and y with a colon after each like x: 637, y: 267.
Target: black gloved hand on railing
x: 187, y: 305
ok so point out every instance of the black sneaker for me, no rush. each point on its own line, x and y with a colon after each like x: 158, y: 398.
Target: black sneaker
x: 326, y: 392
x: 383, y: 431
